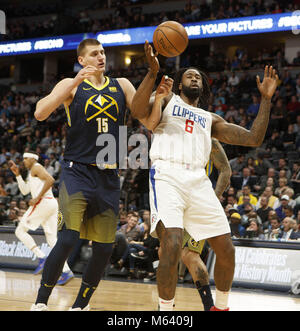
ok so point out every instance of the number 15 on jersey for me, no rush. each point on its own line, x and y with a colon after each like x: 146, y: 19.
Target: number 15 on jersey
x: 102, y: 124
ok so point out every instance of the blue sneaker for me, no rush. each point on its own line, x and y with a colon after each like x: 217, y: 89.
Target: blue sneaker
x: 40, y: 266
x: 65, y: 278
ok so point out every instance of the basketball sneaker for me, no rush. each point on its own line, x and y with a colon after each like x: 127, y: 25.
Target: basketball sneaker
x: 214, y: 308
x: 40, y: 266
x: 39, y: 307
x: 86, y: 308
x: 65, y: 278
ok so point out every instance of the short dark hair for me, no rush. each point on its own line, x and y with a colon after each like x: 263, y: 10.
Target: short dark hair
x: 204, y: 96
x: 84, y: 43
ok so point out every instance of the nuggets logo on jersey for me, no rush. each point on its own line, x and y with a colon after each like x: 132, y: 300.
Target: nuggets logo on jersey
x: 101, y: 104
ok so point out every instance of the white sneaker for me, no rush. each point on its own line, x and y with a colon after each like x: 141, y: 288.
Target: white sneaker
x: 86, y: 308
x: 39, y: 307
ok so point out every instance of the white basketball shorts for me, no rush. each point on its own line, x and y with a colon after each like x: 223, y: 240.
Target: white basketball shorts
x: 44, y: 213
x: 184, y: 198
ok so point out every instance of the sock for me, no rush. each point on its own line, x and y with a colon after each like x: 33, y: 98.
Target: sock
x: 206, y: 296
x: 44, y: 293
x: 93, y: 273
x: 38, y: 252
x: 55, y: 262
x: 165, y: 305
x: 221, y: 299
x: 66, y: 268
x: 85, y: 293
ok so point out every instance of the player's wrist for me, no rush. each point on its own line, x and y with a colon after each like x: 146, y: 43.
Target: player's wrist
x: 152, y: 71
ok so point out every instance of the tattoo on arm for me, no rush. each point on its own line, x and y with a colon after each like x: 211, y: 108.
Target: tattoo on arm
x: 237, y: 135
x: 219, y: 158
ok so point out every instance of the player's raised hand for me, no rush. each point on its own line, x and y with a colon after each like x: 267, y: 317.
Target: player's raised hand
x: 269, y: 84
x: 164, y: 88
x: 14, y: 168
x: 151, y: 57
x: 84, y: 73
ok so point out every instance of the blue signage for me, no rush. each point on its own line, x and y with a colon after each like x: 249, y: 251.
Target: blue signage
x: 196, y: 30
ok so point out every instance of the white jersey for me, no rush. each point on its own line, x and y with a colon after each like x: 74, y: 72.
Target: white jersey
x: 36, y: 185
x: 183, y: 135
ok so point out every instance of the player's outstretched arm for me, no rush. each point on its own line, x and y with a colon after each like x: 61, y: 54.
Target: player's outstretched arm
x: 237, y: 135
x: 140, y: 104
x: 158, y: 100
x: 62, y: 93
x: 220, y: 161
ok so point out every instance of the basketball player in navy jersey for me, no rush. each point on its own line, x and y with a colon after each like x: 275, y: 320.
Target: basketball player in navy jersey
x: 89, y: 188
x: 183, y: 198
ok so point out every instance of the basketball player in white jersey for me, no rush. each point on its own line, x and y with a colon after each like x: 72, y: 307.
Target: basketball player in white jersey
x: 43, y: 208
x: 181, y: 195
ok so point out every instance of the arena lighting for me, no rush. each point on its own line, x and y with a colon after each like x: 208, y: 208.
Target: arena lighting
x: 197, y: 30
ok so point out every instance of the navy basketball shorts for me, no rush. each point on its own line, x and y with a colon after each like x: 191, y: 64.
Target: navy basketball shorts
x: 89, y: 201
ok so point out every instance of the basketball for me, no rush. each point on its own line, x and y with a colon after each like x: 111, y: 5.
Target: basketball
x: 170, y: 39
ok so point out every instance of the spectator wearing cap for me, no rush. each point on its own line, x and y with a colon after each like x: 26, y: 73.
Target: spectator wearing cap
x: 237, y: 230
x: 284, y: 201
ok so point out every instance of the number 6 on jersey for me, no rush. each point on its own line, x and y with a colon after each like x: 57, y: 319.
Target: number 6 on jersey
x: 189, y: 126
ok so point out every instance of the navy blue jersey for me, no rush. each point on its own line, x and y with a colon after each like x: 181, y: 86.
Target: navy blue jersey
x: 93, y: 112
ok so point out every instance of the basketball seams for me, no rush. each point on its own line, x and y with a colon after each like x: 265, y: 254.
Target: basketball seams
x: 181, y: 35
x: 166, y: 50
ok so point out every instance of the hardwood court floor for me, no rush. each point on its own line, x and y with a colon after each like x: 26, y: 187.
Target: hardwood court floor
x: 18, y: 291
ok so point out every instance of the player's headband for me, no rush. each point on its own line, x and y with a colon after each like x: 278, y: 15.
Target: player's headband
x: 30, y: 155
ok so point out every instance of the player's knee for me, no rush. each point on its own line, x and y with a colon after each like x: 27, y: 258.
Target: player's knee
x: 20, y: 230
x: 51, y: 239
x: 67, y: 239
x: 171, y: 245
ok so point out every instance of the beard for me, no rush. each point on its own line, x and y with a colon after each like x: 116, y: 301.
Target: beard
x: 191, y: 93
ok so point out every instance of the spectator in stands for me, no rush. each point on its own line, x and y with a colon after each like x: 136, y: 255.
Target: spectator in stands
x: 268, y: 192
x: 263, y: 211
x: 295, y: 235
x: 237, y: 164
x: 274, y: 143
x: 296, y: 60
x: 252, y: 110
x: 233, y: 79
x: 237, y: 230
x: 287, y: 229
x: 274, y: 231
x: 289, y: 138
x: 246, y: 191
x: 266, y: 180
x: 254, y: 230
x: 122, y: 219
x: 295, y: 177
x: 278, y: 116
x: 12, y: 186
x: 261, y: 164
x: 282, y: 182
x: 284, y: 201
x: 146, y: 249
x: 132, y: 233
